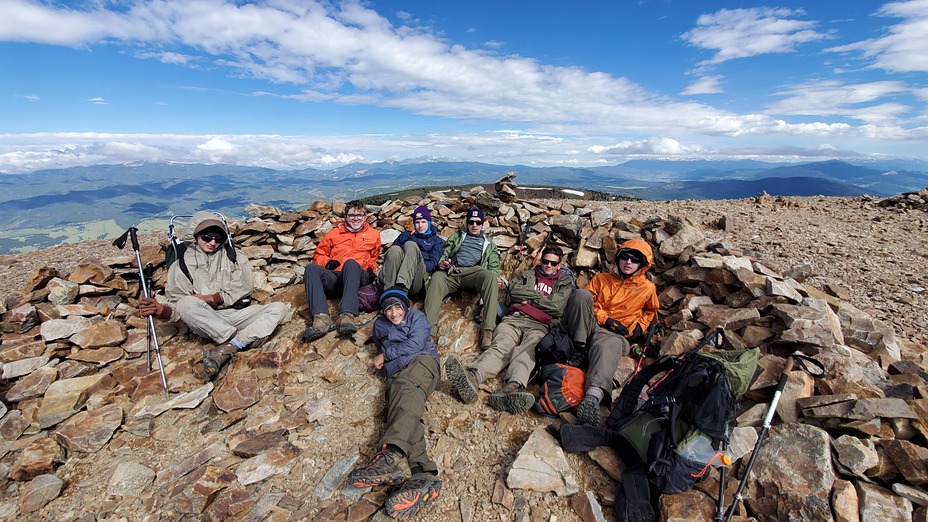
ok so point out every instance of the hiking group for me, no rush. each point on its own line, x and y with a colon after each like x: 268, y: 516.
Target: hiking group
x: 207, y: 289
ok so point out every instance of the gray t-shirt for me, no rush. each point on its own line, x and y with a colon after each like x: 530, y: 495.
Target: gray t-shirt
x: 470, y: 252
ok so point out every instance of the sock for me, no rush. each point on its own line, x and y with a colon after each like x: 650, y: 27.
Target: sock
x: 238, y: 344
x: 479, y: 374
x: 395, y: 449
x: 596, y: 392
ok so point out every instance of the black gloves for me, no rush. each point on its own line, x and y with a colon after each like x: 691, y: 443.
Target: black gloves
x: 370, y: 275
x: 332, y: 264
x: 617, y: 327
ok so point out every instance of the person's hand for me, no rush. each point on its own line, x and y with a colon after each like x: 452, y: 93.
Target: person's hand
x: 213, y: 300
x: 500, y: 283
x: 150, y: 307
x: 617, y: 327
x: 444, y: 264
x: 370, y: 274
x: 332, y: 264
x: 378, y: 361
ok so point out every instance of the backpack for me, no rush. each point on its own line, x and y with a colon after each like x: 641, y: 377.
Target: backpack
x: 561, y: 389
x: 556, y: 347
x: 369, y: 296
x: 671, y: 439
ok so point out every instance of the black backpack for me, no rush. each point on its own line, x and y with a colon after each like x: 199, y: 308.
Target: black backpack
x: 670, y: 441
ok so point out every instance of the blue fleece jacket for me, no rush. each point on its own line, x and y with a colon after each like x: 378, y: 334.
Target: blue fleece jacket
x: 430, y: 243
x: 402, y: 343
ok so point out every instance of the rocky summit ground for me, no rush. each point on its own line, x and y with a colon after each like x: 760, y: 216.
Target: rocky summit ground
x: 326, y: 407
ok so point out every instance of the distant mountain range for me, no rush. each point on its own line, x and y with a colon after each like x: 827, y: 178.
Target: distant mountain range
x: 47, y: 207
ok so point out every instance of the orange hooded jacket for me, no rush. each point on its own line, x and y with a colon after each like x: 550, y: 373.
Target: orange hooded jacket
x: 633, y: 300
x: 342, y: 244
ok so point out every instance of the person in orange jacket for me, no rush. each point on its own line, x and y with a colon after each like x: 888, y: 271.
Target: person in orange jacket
x: 613, y: 308
x: 344, y: 261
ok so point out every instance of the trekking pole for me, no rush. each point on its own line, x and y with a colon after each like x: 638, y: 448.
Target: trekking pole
x: 149, y: 284
x: 120, y: 243
x: 794, y: 358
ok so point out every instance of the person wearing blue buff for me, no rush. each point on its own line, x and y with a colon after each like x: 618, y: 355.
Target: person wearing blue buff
x: 414, y: 255
x: 409, y: 359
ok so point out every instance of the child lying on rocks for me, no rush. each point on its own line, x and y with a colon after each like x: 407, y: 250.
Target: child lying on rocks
x: 409, y: 358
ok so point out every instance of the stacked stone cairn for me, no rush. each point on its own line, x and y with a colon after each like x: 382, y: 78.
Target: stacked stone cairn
x: 75, y: 380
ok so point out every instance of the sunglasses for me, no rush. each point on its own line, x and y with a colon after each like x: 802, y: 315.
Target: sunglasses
x: 627, y: 256
x: 548, y: 262
x: 212, y: 238
x: 475, y: 222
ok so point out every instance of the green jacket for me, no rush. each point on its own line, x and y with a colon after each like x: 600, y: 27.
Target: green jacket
x: 489, y: 259
x: 522, y: 288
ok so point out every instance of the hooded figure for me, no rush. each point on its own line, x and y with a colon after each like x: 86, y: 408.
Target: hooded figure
x: 209, y: 296
x: 614, y: 307
x: 414, y: 255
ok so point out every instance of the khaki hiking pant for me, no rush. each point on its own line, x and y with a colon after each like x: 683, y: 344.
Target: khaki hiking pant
x: 514, y: 347
x: 606, y: 348
x: 470, y: 278
x: 407, y: 391
x: 247, y: 325
x: 404, y: 266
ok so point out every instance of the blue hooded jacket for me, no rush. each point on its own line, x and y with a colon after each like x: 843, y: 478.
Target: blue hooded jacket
x: 402, y: 343
x: 430, y: 243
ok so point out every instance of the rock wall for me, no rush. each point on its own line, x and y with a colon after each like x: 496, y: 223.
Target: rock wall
x: 79, y: 396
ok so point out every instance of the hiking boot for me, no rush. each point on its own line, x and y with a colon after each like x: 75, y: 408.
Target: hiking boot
x: 345, y: 325
x: 382, y: 469
x: 588, y: 411
x: 512, y: 398
x: 464, y: 381
x: 420, y: 490
x: 215, y: 358
x: 322, y: 324
x: 486, y: 339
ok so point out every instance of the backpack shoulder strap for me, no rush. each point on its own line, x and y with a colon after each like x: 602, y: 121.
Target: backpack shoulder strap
x: 181, y: 250
x: 628, y: 399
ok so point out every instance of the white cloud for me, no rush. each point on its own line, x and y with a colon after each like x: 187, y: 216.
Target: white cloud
x: 97, y: 101
x: 904, y: 48
x: 740, y: 33
x: 834, y: 98
x: 705, y: 85
x: 655, y: 146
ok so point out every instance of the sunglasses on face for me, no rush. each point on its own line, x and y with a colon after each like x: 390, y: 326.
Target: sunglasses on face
x: 627, y: 256
x: 548, y: 262
x: 212, y: 238
x: 475, y: 222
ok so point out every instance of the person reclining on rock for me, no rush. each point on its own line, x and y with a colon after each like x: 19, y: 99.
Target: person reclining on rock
x: 537, y: 298
x: 469, y: 261
x: 409, y: 359
x: 414, y: 255
x: 613, y: 308
x: 344, y: 261
x: 210, y: 301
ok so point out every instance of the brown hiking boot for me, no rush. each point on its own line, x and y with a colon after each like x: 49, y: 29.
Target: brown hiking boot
x: 215, y: 358
x: 464, y: 381
x: 512, y: 398
x: 322, y: 324
x: 345, y: 325
x: 486, y: 339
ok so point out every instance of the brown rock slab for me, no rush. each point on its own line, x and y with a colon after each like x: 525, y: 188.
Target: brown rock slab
x: 91, y: 271
x: 910, y: 459
x: 89, y: 431
x: 689, y: 506
x: 274, y: 462
x: 39, y: 278
x: 14, y: 349
x: 32, y: 385
x: 542, y: 466
x: 40, y: 457
x: 231, y: 501
x: 171, y: 473
x: 721, y: 316
x: 130, y: 479
x: 238, y: 390
x: 878, y: 503
x: 39, y: 491
x: 62, y: 292
x: 12, y: 425
x: 107, y: 333
x: 12, y: 370
x: 100, y: 357
x: 65, y: 396
x: 20, y: 319
x: 260, y: 443
x: 63, y: 328
x: 844, y: 501
x: 587, y: 507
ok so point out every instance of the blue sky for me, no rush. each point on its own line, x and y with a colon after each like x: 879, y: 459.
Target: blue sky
x: 295, y: 84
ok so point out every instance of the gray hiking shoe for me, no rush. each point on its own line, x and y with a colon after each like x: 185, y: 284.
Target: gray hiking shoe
x: 464, y: 381
x: 216, y: 357
x: 512, y: 398
x: 383, y: 468
x: 588, y: 411
x: 322, y: 324
x: 345, y: 325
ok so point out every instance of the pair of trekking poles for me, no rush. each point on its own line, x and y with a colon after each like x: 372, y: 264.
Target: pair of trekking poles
x: 796, y: 358
x: 145, y: 282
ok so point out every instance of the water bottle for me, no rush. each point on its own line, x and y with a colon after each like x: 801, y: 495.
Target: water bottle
x: 697, y: 447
